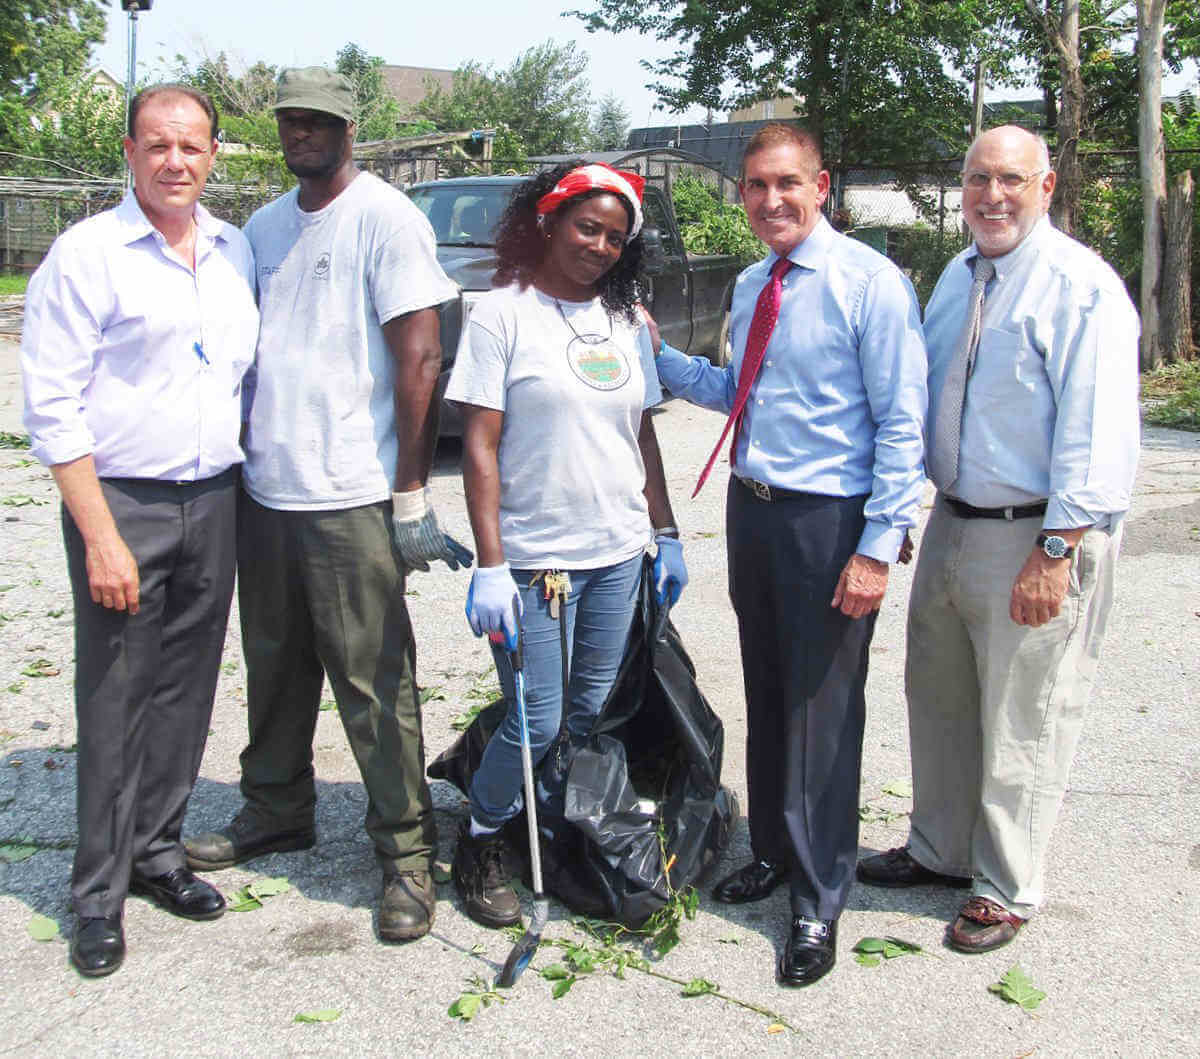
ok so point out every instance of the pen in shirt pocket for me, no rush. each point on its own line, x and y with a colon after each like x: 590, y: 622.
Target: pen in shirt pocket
x: 199, y: 350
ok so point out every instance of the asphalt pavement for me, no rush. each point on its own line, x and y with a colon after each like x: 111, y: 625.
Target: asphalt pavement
x: 1115, y: 950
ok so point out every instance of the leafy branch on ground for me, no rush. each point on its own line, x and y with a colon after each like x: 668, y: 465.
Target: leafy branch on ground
x: 1172, y: 396
x: 1017, y: 988
x: 9, y: 440
x: 870, y: 951
x: 472, y: 1001
x: 484, y: 690
x: 251, y: 896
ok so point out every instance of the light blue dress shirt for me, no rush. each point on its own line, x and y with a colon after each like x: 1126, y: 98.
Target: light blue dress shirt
x: 838, y: 407
x: 1051, y: 405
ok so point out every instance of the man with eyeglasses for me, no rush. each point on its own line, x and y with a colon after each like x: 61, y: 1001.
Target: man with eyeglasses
x: 339, y: 443
x: 1032, y: 441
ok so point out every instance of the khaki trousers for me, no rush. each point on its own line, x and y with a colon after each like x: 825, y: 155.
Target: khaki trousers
x: 995, y: 709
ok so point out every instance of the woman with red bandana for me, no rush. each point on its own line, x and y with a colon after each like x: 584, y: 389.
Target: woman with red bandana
x: 555, y: 377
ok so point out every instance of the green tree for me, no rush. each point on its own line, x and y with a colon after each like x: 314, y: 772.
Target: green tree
x: 43, y: 44
x: 242, y: 94
x: 610, y: 127
x: 376, y: 110
x: 539, y: 104
x: 875, y: 77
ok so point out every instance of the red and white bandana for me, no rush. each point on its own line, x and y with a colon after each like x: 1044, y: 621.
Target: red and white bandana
x: 593, y: 177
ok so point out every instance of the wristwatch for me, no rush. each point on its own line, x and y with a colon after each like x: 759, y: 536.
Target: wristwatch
x: 1054, y: 546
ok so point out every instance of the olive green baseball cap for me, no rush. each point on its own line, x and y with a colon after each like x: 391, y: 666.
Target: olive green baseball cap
x: 315, y: 88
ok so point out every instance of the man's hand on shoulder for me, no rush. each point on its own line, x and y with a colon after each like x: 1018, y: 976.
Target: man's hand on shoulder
x: 112, y: 573
x: 861, y: 586
x: 1039, y: 589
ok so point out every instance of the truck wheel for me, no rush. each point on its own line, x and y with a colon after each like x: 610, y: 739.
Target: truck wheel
x: 723, y: 351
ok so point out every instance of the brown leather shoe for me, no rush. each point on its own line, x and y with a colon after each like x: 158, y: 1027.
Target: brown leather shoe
x: 983, y: 925
x: 897, y: 868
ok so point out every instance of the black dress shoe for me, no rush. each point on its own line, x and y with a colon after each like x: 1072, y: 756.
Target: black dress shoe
x: 897, y: 868
x: 181, y: 893
x: 752, y: 882
x: 810, y: 952
x: 98, y: 946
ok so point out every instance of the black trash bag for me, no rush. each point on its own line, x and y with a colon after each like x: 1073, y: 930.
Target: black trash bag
x: 642, y: 789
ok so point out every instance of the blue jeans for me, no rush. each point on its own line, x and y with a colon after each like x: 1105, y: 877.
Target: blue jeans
x: 599, y: 611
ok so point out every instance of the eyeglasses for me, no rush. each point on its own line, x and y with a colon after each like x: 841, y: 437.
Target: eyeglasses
x: 1012, y: 182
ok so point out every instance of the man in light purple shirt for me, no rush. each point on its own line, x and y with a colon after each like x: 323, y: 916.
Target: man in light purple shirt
x: 139, y: 326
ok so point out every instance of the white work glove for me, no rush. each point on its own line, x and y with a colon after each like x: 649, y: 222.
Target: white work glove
x: 417, y: 534
x: 490, y: 604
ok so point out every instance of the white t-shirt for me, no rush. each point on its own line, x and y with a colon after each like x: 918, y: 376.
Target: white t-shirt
x: 322, y: 421
x: 572, y: 385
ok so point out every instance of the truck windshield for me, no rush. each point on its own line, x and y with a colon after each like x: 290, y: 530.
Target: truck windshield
x: 462, y: 216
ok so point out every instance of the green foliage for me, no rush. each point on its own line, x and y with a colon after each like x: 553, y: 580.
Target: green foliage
x: 376, y: 111
x: 538, y: 104
x: 710, y: 226
x: 46, y: 41
x: 473, y: 1000
x: 251, y: 896
x: 42, y: 928
x: 323, y: 1015
x: 78, y: 125
x: 610, y: 126
x: 233, y: 94
x: 1017, y: 988
x: 869, y: 951
x: 922, y: 253
x: 874, y: 86
x: 1172, y: 396
x: 9, y: 440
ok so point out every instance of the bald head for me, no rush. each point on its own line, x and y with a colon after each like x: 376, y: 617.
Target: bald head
x: 1007, y: 184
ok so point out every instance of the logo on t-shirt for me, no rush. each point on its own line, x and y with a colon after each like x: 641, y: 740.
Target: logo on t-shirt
x: 598, y: 361
x: 322, y: 267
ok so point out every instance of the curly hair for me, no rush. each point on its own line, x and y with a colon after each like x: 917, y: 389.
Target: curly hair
x: 520, y: 244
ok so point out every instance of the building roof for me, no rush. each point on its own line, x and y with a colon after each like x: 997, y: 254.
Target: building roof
x: 408, y: 84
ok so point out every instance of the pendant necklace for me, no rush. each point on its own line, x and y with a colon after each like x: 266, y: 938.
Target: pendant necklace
x: 590, y: 339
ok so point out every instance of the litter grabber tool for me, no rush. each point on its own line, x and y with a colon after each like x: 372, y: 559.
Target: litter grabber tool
x: 524, y: 949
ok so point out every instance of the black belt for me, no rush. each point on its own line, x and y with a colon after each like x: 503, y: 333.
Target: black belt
x: 770, y: 493
x: 964, y: 510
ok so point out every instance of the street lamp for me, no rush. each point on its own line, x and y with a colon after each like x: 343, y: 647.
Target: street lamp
x: 133, y: 7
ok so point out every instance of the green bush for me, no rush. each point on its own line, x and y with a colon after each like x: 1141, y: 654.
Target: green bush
x: 710, y: 226
x: 1172, y: 396
x: 922, y: 253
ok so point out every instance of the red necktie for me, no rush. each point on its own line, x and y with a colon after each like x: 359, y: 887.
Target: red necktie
x: 766, y: 312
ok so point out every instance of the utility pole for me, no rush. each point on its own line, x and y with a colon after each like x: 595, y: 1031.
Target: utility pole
x: 133, y: 7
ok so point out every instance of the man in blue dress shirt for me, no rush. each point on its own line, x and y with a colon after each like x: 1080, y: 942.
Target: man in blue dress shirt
x: 1034, y: 459
x: 826, y: 480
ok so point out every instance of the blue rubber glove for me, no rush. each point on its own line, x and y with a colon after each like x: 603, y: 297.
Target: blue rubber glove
x: 490, y: 604
x: 670, y: 571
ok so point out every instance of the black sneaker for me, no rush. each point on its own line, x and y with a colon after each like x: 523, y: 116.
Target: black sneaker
x: 482, y: 879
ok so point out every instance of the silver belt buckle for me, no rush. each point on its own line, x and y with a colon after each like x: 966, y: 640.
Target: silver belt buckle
x: 1008, y: 513
x: 761, y: 490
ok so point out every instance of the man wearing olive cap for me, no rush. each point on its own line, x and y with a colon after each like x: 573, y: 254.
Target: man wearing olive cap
x: 339, y: 443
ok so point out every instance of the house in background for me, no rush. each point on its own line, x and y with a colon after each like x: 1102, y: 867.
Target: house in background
x: 410, y: 84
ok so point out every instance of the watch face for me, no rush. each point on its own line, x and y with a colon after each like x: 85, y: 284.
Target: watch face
x: 1055, y: 547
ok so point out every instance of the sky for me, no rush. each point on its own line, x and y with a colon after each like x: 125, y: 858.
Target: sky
x: 408, y: 33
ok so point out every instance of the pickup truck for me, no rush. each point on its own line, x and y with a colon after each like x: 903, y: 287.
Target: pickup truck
x: 688, y: 295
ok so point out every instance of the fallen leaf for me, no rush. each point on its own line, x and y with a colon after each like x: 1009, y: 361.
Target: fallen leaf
x: 440, y: 873
x: 324, y: 1015
x: 699, y: 987
x: 1017, y: 988
x: 478, y: 949
x: 42, y: 928
x: 261, y: 888
x: 776, y: 1027
x: 562, y: 988
x: 898, y: 789
x: 15, y: 852
x: 466, y: 1007
x: 243, y: 902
